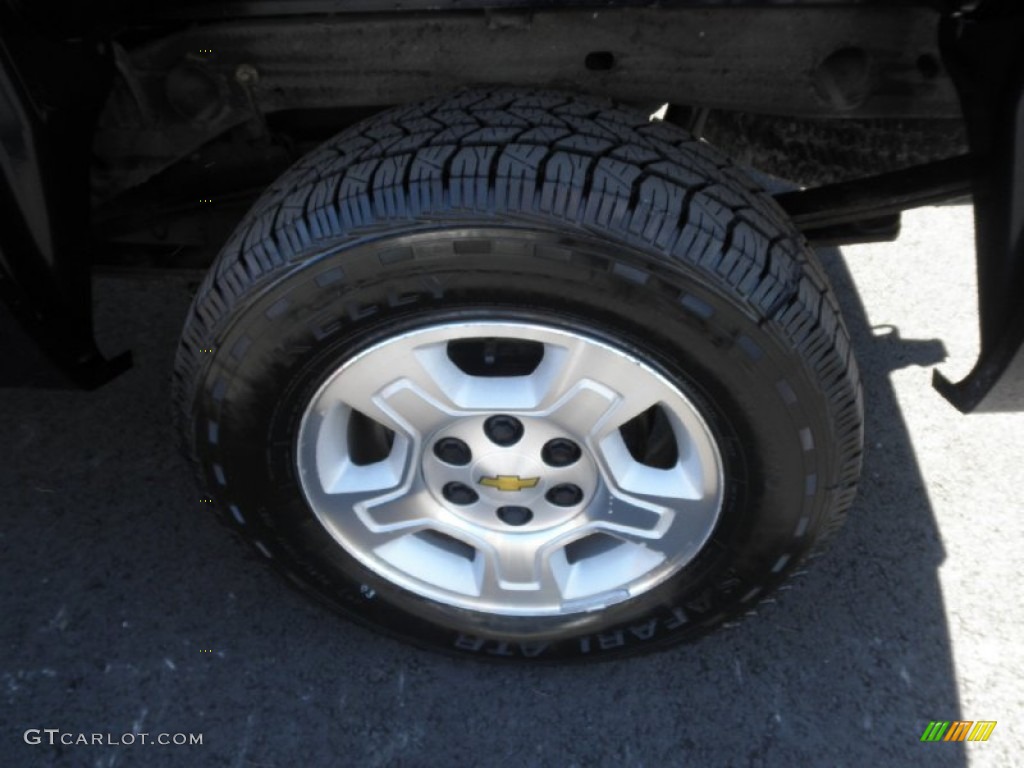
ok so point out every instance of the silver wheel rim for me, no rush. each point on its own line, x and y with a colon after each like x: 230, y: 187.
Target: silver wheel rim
x: 625, y: 524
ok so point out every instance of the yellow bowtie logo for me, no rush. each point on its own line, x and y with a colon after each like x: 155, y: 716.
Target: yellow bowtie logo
x: 509, y: 482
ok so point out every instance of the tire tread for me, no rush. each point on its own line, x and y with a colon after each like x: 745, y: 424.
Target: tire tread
x: 578, y: 159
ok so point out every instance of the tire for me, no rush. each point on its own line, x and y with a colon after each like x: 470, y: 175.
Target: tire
x: 373, y: 372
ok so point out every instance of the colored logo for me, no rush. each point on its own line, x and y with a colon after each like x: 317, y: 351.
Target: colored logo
x: 509, y: 482
x: 958, y: 730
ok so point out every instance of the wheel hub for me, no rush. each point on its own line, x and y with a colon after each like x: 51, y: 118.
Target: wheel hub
x: 509, y: 476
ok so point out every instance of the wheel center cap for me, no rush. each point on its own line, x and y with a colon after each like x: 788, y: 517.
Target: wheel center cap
x: 503, y: 477
x: 509, y: 482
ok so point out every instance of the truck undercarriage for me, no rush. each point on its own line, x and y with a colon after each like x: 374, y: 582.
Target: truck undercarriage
x: 100, y: 101
x: 160, y: 85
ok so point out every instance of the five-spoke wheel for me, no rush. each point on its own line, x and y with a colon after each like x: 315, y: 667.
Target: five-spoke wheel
x: 521, y: 470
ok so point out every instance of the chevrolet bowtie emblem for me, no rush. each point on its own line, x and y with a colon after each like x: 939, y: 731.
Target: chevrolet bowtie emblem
x: 509, y: 482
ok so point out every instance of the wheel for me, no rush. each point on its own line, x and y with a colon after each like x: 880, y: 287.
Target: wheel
x: 522, y: 375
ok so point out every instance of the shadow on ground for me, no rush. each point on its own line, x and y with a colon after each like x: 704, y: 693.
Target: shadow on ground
x: 127, y: 607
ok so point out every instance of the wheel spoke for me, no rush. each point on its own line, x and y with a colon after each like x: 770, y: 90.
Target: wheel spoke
x: 406, y: 405
x: 621, y: 513
x: 668, y: 525
x: 583, y: 408
x: 661, y: 508
x: 377, y: 511
x: 664, y: 487
x: 409, y: 510
x: 511, y: 566
x: 328, y: 459
x: 589, y: 391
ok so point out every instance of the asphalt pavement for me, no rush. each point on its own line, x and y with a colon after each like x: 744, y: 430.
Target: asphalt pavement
x: 126, y: 609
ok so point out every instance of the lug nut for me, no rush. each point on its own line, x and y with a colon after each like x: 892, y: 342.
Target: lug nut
x: 459, y: 493
x: 451, y: 450
x: 565, y: 495
x: 560, y: 452
x: 503, y: 430
x: 515, y: 515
